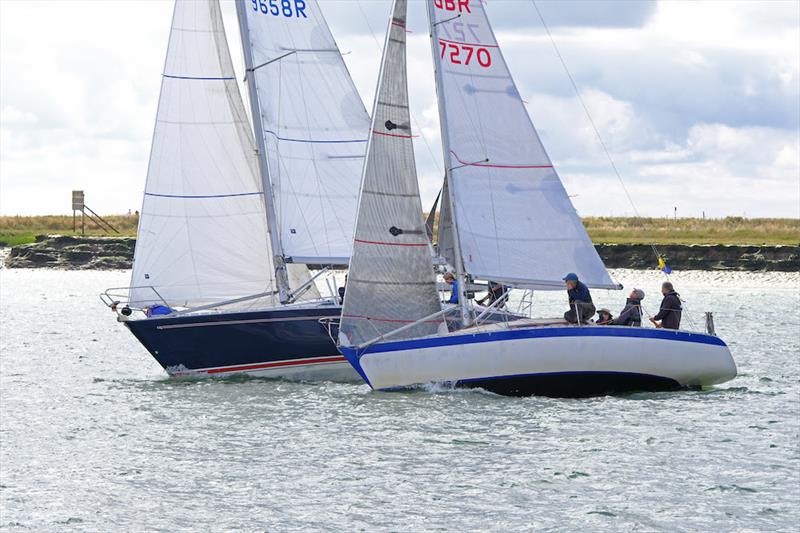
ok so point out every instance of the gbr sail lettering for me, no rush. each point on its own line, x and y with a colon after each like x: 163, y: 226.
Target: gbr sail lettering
x: 453, y: 5
x: 277, y: 8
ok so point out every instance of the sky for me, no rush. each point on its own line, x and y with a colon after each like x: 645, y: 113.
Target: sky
x: 697, y: 102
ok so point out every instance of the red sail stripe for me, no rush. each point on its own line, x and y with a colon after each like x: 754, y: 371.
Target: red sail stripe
x: 391, y: 243
x: 497, y: 166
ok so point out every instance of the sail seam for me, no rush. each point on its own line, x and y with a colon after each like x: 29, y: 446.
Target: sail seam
x: 201, y: 78
x: 203, y: 196
x: 315, y: 141
x: 393, y: 135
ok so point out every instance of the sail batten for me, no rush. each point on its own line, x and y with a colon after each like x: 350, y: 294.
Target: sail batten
x: 391, y: 281
x: 515, y: 222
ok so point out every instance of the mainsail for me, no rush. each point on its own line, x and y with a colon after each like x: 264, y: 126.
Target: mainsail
x: 314, y: 127
x: 515, y: 221
x: 202, y: 233
x: 391, y: 282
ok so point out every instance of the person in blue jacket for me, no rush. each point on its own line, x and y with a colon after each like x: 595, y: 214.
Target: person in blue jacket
x: 451, y: 280
x: 581, y: 308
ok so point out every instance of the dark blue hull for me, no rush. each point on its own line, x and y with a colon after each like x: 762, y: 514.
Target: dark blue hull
x: 275, y: 342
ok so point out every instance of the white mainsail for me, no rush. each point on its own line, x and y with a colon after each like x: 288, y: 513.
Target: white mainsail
x: 314, y: 126
x: 515, y: 221
x: 391, y: 282
x: 202, y: 233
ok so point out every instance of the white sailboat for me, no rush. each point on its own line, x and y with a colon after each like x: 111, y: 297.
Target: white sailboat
x: 506, y: 217
x: 230, y: 220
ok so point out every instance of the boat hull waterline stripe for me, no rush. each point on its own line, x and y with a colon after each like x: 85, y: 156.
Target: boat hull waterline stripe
x: 597, y: 331
x: 263, y: 366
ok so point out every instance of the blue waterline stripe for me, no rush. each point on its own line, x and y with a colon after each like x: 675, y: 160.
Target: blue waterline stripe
x: 312, y: 141
x: 194, y: 78
x: 201, y: 197
x: 530, y: 333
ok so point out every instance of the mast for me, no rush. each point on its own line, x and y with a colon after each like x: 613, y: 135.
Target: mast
x: 281, y: 276
x: 466, y: 318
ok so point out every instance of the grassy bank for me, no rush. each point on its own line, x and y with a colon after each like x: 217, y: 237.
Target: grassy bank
x: 20, y: 230
x: 612, y: 230
x: 729, y: 230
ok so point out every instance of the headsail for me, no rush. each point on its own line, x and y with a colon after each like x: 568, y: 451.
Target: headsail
x: 314, y: 126
x: 202, y: 234
x: 515, y: 221
x: 391, y: 281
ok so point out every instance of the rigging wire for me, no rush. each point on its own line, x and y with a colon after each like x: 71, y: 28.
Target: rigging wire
x: 600, y: 140
x: 591, y: 121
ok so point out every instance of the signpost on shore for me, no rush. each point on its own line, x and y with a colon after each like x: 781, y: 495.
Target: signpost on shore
x: 78, y: 205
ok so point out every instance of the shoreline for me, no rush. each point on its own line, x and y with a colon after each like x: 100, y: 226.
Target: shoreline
x: 68, y: 252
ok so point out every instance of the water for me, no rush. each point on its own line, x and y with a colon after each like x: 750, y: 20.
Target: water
x: 94, y: 437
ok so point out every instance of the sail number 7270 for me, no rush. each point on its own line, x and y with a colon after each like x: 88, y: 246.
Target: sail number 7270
x: 277, y: 8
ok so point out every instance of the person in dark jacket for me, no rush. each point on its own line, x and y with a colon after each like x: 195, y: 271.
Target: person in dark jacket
x: 631, y: 314
x: 581, y: 308
x: 670, y: 312
x: 495, y: 292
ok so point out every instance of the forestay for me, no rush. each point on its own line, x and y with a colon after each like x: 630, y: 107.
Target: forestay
x: 391, y: 282
x: 515, y: 221
x: 202, y: 233
x: 315, y: 128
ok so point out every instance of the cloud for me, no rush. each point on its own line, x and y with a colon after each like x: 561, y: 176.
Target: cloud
x: 697, y: 101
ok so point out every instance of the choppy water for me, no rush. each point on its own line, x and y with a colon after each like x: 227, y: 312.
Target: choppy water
x: 94, y: 437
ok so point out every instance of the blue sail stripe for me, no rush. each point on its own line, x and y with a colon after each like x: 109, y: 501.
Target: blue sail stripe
x: 202, y: 196
x: 194, y: 78
x: 313, y: 141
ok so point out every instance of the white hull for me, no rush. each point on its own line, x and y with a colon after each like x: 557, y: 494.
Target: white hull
x: 611, y: 359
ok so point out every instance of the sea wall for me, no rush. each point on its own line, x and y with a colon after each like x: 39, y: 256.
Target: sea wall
x: 73, y: 253
x: 68, y: 252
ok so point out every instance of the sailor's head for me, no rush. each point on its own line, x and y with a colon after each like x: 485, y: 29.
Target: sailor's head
x: 448, y: 277
x: 571, y: 280
x: 667, y: 288
x: 637, y: 294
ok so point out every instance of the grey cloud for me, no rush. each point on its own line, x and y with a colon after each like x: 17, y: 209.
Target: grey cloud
x: 358, y: 16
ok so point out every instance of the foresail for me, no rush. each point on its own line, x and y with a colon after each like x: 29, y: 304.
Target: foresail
x: 515, y: 221
x: 391, y: 282
x: 202, y: 233
x: 315, y: 128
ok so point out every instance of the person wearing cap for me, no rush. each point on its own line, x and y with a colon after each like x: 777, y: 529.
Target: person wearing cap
x: 604, y: 317
x: 450, y: 279
x: 581, y: 308
x: 671, y: 309
x: 631, y: 314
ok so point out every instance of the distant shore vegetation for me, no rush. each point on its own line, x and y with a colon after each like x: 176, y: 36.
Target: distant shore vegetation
x: 606, y: 230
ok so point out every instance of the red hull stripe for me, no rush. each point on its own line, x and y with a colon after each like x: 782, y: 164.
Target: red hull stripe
x: 278, y: 364
x: 497, y: 166
x: 478, y: 45
x: 391, y: 243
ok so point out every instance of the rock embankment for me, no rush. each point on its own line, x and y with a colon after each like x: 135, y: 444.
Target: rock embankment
x: 73, y: 253
x: 60, y: 251
x: 703, y: 257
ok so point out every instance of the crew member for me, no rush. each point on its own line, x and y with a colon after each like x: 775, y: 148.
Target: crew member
x: 581, y: 308
x: 453, y: 282
x: 671, y: 309
x: 631, y: 314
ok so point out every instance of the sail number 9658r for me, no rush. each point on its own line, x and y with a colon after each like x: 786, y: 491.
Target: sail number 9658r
x: 277, y: 8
